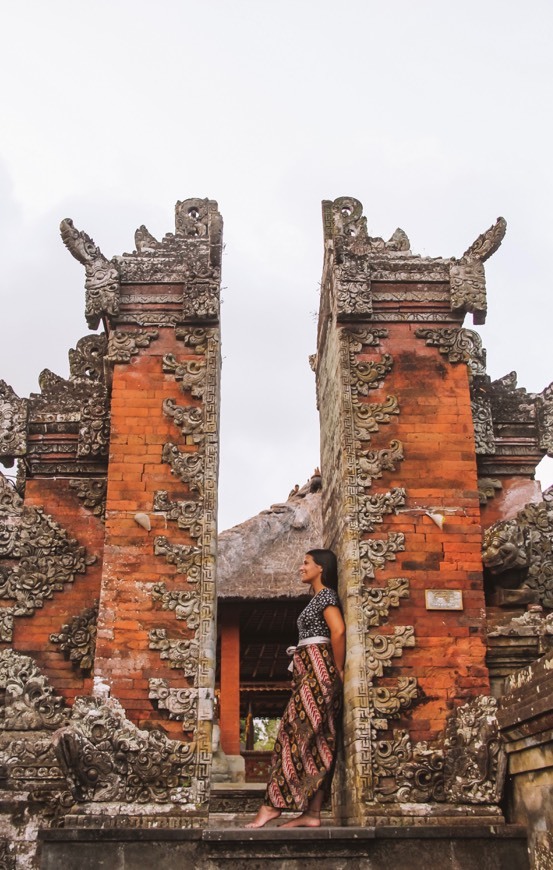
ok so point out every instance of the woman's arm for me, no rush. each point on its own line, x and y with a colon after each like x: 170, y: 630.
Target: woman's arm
x: 335, y: 621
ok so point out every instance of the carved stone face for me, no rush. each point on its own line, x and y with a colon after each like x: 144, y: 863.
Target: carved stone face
x: 503, y: 547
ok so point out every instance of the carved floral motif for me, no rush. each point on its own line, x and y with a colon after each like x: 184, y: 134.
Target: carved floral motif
x: 375, y: 552
x: 184, y: 604
x: 189, y: 467
x: 373, y: 508
x: 484, y: 439
x: 107, y: 758
x: 371, y: 464
x: 368, y: 417
x: 180, y: 704
x: 459, y: 345
x: 77, y: 639
x: 179, y: 653
x: 187, y: 560
x: 190, y: 373
x: 382, y: 648
x: 187, y: 514
x: 123, y: 345
x: 368, y: 375
x: 92, y: 493
x: 13, y: 425
x: 29, y: 702
x: 378, y: 600
x: 189, y: 419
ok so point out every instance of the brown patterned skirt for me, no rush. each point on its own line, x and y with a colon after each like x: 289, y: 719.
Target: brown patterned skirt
x: 305, y: 747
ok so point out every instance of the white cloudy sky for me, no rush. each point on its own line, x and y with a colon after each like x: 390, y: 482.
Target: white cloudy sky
x: 436, y: 115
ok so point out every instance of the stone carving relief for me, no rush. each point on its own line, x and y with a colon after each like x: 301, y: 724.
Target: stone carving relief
x: 178, y: 653
x: 188, y: 515
x: 375, y: 552
x: 94, y: 428
x: 533, y: 623
x: 544, y: 407
x: 123, y: 345
x: 364, y: 337
x: 191, y: 374
x: 372, y: 463
x: 367, y: 418
x: 195, y: 338
x: 13, y: 425
x: 185, y: 605
x: 468, y: 286
x: 92, y: 493
x: 367, y: 375
x: 189, y: 467
x: 378, y: 600
x: 180, y: 704
x: 77, y: 639
x: 459, y: 345
x: 29, y: 702
x: 42, y: 558
x: 522, y: 549
x: 190, y: 420
x: 484, y: 439
x: 382, y: 648
x: 187, y: 560
x: 102, y: 276
x: 390, y: 701
x: 373, y: 508
x: 107, y: 758
x: 488, y: 487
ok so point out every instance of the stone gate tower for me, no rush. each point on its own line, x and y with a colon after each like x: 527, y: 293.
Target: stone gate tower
x: 401, y: 508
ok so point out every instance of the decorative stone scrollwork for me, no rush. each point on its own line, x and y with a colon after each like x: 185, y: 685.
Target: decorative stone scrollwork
x: 389, y: 701
x: 483, y: 425
x: 178, y: 653
x: 187, y: 560
x: 190, y: 420
x: 102, y: 276
x: 180, y: 704
x: 390, y: 756
x: 187, y: 514
x: 373, y: 508
x: 525, y: 542
x: 92, y: 493
x: 375, y: 552
x: 421, y: 779
x: 25, y: 761
x: 29, y: 702
x: 377, y: 601
x: 544, y: 407
x: 487, y: 488
x: 77, y: 639
x: 459, y: 345
x: 382, y: 648
x: 368, y: 417
x: 189, y: 467
x: 184, y: 604
x: 368, y: 375
x: 47, y: 558
x: 94, y: 428
x: 359, y: 338
x: 86, y: 360
x: 13, y: 425
x: 533, y: 623
x: 372, y: 463
x: 195, y: 338
x: 191, y: 374
x: 468, y: 285
x: 123, y: 345
x: 107, y: 758
x: 201, y: 302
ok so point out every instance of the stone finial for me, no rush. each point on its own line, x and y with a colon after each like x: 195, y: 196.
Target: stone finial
x: 102, y: 275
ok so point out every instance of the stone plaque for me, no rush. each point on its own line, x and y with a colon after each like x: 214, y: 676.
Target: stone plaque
x: 444, y: 599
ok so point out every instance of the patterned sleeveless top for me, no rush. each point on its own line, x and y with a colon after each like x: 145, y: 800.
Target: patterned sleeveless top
x: 311, y: 622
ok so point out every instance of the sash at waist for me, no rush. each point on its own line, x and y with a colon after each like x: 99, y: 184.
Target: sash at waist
x: 306, y: 641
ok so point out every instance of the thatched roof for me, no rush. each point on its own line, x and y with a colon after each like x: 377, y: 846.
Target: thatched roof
x: 260, y: 558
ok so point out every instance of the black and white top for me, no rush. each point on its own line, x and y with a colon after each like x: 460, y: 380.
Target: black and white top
x: 311, y: 622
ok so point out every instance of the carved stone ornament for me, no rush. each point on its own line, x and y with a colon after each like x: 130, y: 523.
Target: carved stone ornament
x: 377, y: 601
x: 123, y: 345
x: 43, y: 558
x: 201, y: 302
x: 459, y: 345
x: 181, y: 653
x: 371, y: 464
x: 185, y: 605
x: 468, y: 285
x: 359, y: 338
x: 189, y: 467
x: 13, y: 425
x: 92, y: 493
x: 533, y: 623
x: 375, y: 552
x: 484, y: 439
x: 190, y: 373
x: 544, y: 406
x: 189, y: 419
x: 367, y: 375
x: 102, y: 276
x: 107, y: 758
x: 29, y: 702
x: 77, y: 639
x: 187, y: 560
x: 525, y: 545
x: 94, y: 428
x: 373, y: 508
x: 488, y: 487
x: 86, y: 359
x: 187, y: 514
x: 382, y: 648
x: 180, y: 704
x: 367, y: 418
x: 389, y: 701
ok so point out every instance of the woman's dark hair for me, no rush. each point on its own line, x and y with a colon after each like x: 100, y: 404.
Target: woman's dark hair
x: 327, y: 561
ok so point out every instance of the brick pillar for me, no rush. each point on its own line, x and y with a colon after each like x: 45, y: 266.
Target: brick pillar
x: 400, y: 502
x: 230, y: 683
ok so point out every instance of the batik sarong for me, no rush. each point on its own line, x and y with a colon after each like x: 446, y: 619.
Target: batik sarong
x: 305, y: 747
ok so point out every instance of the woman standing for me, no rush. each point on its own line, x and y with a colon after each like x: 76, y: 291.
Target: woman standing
x: 305, y: 747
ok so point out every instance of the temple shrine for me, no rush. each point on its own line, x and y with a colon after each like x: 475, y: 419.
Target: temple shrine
x: 138, y: 645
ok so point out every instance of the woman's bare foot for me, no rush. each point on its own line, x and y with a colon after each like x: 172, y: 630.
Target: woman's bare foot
x: 264, y: 814
x: 306, y: 820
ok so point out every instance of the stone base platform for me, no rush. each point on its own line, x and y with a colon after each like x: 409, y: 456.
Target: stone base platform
x: 488, y: 847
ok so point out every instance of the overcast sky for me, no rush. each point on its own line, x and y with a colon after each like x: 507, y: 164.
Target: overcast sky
x: 436, y: 115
